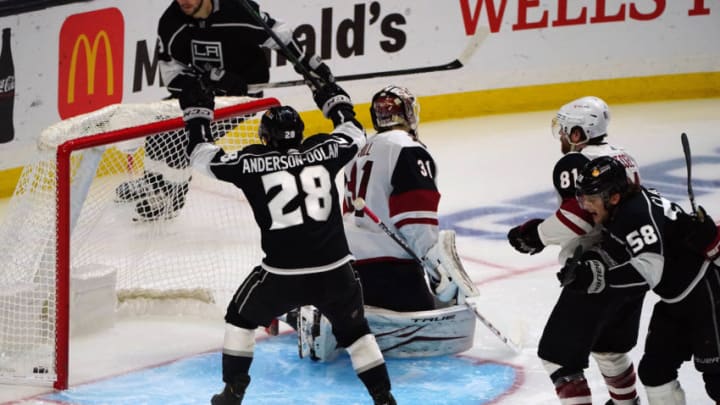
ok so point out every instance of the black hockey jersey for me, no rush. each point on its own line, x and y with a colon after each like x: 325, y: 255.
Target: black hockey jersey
x: 293, y: 196
x: 570, y: 221
x: 645, y: 248
x: 229, y: 39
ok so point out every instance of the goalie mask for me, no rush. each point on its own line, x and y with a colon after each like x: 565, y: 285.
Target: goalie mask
x: 590, y: 114
x: 393, y: 107
x: 281, y: 128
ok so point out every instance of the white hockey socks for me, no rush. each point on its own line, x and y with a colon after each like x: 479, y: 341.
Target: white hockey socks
x: 667, y: 394
x: 619, y: 374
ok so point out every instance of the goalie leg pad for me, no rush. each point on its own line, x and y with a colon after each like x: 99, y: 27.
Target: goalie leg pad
x: 435, y: 332
x: 315, y: 336
x: 324, y: 345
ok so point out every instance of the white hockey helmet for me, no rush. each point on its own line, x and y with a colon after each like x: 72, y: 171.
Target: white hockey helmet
x: 395, y: 106
x: 589, y: 113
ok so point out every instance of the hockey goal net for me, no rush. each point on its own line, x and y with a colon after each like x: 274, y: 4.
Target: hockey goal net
x: 69, y: 221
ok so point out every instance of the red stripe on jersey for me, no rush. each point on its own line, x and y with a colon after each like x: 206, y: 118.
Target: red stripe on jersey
x: 571, y: 205
x: 568, y: 223
x: 408, y: 221
x: 416, y: 200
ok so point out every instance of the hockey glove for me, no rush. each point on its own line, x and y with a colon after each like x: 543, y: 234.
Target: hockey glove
x: 317, y: 69
x: 700, y: 233
x: 584, y: 275
x: 225, y: 83
x: 443, y: 286
x: 197, y: 103
x: 525, y: 239
x: 334, y: 102
x: 707, y: 234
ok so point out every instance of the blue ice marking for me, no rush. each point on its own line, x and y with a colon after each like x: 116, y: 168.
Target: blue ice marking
x: 279, y: 377
x: 493, y: 221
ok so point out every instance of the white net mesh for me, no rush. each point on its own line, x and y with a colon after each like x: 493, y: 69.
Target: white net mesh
x: 136, y: 208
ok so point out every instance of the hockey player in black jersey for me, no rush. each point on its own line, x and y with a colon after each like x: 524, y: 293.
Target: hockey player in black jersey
x: 212, y: 44
x: 648, y: 241
x: 581, y: 326
x: 290, y: 185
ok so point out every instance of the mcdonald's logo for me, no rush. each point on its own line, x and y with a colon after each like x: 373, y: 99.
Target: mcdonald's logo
x: 90, y: 68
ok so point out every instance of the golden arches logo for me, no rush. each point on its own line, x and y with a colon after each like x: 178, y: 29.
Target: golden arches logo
x: 90, y: 61
x: 91, y: 53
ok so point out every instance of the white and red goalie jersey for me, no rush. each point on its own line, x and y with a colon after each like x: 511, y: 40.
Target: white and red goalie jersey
x: 570, y: 222
x: 395, y: 175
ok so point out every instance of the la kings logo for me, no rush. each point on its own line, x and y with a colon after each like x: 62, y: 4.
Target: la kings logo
x: 207, y: 54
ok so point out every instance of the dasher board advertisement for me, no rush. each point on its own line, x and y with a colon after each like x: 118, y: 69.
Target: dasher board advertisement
x: 79, y: 57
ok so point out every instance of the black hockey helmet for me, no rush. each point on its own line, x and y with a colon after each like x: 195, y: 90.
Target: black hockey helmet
x: 604, y: 175
x: 281, y: 128
x: 395, y: 106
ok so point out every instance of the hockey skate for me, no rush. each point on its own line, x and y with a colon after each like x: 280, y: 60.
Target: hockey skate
x: 610, y: 402
x: 155, y: 198
x: 164, y: 203
x: 384, y: 398
x: 233, y: 393
x: 134, y: 190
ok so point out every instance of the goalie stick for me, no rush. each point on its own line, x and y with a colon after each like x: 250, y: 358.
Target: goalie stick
x: 359, y: 205
x: 475, y: 40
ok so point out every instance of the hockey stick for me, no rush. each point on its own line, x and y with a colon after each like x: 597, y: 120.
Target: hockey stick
x: 283, y: 48
x: 359, y: 205
x: 688, y: 162
x: 478, y: 38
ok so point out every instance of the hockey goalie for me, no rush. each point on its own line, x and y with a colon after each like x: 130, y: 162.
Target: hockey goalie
x: 413, y: 290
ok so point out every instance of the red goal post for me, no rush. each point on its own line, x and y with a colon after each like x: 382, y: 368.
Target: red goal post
x: 31, y: 296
